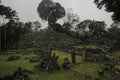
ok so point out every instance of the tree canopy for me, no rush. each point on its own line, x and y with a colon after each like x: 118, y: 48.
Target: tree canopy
x: 110, y: 6
x: 7, y: 12
x: 50, y: 11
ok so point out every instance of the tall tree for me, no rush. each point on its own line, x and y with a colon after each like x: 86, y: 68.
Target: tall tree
x: 70, y: 21
x: 28, y: 27
x: 110, y: 6
x: 50, y: 11
x: 113, y: 38
x: 82, y: 30
x: 83, y: 26
x: 14, y: 31
x: 93, y: 29
x: 6, y: 13
x: 97, y: 31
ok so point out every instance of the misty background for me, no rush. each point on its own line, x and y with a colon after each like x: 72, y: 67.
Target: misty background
x: 85, y: 9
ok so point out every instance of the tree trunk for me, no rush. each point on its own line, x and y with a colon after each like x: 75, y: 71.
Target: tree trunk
x: 0, y: 42
x: 4, y: 32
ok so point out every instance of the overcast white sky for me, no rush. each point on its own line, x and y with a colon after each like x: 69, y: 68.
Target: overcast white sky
x: 86, y: 9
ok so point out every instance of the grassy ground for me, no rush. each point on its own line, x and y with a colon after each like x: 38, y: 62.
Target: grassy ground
x: 86, y: 46
x: 77, y: 71
x: 7, y: 67
x: 116, y: 54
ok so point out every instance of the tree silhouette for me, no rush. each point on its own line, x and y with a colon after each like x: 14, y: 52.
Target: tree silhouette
x: 110, y: 6
x: 5, y: 13
x: 50, y: 11
x: 70, y: 21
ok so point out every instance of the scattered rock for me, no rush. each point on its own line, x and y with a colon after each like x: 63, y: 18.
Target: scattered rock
x: 48, y: 62
x: 100, y: 72
x: 34, y: 59
x: 25, y: 71
x: 18, y: 75
x: 13, y: 58
x: 66, y: 63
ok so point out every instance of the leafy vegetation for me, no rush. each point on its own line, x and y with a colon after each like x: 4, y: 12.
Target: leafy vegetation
x: 111, y: 6
x: 74, y: 50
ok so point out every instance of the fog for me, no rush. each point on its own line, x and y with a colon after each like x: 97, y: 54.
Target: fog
x: 86, y: 9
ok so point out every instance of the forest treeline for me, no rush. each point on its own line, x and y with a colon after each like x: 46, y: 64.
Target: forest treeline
x: 85, y: 32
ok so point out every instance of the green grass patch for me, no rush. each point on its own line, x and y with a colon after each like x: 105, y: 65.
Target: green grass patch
x: 77, y: 71
x: 86, y: 46
x: 8, y: 67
